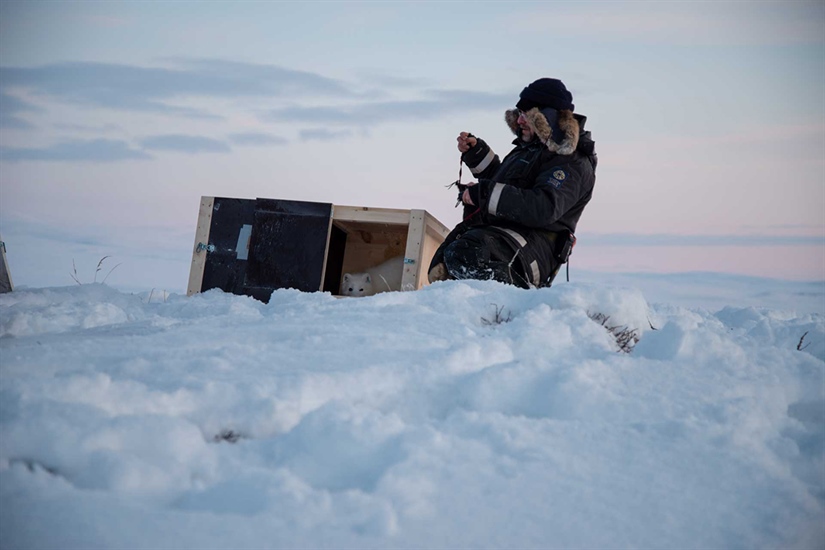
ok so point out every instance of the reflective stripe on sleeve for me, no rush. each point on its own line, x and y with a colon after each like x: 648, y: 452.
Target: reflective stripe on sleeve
x: 492, y: 205
x: 534, y: 268
x: 485, y: 162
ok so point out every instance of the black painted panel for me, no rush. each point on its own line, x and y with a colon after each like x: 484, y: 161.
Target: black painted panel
x: 287, y: 246
x: 335, y: 260
x: 285, y: 249
x: 223, y: 269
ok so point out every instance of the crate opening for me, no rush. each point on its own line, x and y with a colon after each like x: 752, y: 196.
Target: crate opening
x: 356, y: 246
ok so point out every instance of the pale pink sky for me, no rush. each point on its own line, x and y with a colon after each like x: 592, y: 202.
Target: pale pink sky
x: 115, y: 118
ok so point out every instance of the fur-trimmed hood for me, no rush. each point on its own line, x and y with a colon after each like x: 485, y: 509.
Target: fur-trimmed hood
x: 567, y: 129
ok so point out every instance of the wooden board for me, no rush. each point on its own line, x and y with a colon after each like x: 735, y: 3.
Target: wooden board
x: 368, y: 246
x: 201, y: 243
x: 413, y: 258
x: 6, y: 284
x: 370, y: 215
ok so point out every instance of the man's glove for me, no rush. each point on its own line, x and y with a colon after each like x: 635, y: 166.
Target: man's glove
x: 461, y: 187
x: 473, y: 191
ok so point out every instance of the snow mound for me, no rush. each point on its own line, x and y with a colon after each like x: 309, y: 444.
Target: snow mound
x: 467, y: 414
x: 48, y: 311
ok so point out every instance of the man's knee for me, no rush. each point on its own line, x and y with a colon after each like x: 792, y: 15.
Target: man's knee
x: 465, y: 259
x: 479, y: 255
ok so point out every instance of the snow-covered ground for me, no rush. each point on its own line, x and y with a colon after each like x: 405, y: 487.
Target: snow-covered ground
x: 465, y: 415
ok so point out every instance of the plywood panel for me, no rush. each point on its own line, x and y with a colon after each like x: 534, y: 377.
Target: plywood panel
x: 369, y: 244
x: 410, y: 279
x: 201, y: 245
x: 370, y: 215
x: 288, y: 246
x: 227, y: 250
x: 6, y: 284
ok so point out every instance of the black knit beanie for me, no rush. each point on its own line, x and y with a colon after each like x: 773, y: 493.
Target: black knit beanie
x: 545, y: 92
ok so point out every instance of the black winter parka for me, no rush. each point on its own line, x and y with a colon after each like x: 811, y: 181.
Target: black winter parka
x: 535, y: 194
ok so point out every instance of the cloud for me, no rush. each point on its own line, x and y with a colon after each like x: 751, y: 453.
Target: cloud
x: 146, y: 89
x: 233, y: 78
x: 98, y: 150
x: 254, y: 138
x: 89, y: 128
x: 10, y: 107
x: 169, y: 90
x: 104, y: 85
x: 811, y: 228
x: 321, y: 134
x: 392, y: 81
x: 627, y: 239
x: 435, y: 104
x: 166, y: 89
x: 184, y: 144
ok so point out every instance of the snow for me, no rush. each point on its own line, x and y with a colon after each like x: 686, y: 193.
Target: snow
x: 464, y: 415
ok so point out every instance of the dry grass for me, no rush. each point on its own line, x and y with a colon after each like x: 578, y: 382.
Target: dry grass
x: 626, y: 338
x: 498, y: 316
x: 99, y: 267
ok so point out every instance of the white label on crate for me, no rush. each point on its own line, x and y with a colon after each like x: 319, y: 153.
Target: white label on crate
x: 242, y: 248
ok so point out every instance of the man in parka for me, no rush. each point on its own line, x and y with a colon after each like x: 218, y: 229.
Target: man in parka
x: 520, y: 217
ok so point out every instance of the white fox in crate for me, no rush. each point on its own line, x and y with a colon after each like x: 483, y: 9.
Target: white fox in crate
x: 384, y: 277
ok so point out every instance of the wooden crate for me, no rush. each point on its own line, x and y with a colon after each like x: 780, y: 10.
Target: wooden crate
x: 254, y: 246
x: 6, y: 284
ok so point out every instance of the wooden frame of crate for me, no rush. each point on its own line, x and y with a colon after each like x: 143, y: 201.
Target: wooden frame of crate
x: 254, y: 246
x: 6, y: 284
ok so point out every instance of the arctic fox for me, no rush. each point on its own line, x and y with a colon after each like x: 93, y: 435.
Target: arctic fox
x: 381, y: 278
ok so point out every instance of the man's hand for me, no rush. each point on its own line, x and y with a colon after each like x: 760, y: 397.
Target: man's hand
x: 466, y: 141
x: 465, y: 196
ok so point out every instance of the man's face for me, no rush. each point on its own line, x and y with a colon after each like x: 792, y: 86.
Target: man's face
x: 526, y: 131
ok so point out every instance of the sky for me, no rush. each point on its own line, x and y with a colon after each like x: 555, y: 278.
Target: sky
x: 116, y: 117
